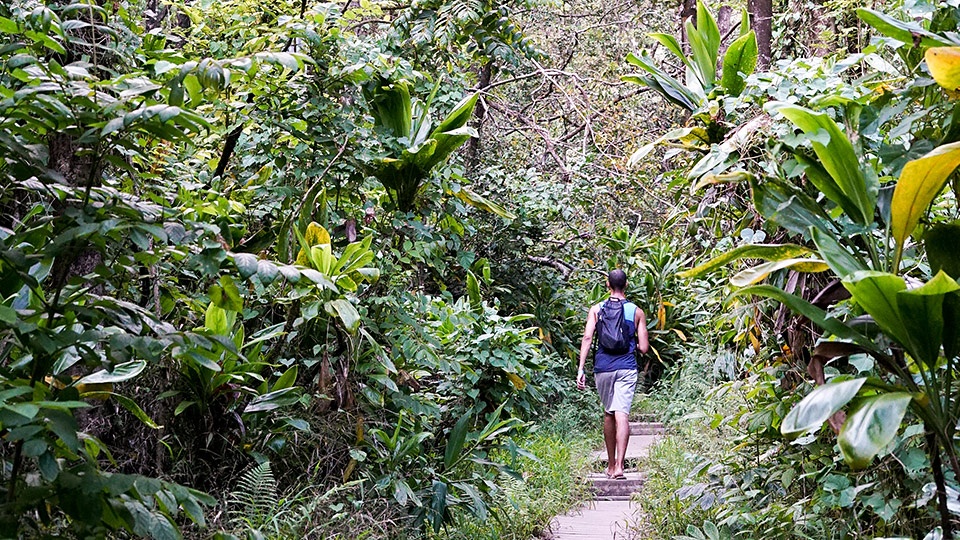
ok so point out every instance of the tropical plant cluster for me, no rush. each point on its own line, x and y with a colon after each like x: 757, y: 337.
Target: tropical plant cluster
x: 243, y: 288
x: 836, y: 182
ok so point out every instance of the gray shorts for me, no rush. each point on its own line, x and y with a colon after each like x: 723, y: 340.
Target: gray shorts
x: 616, y: 389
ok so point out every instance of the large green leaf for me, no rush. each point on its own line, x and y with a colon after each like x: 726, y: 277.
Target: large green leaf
x: 841, y: 261
x: 810, y: 311
x: 920, y: 182
x: 872, y: 427
x: 951, y: 325
x: 876, y: 293
x: 907, y: 32
x: 459, y: 116
x: 119, y: 373
x: 127, y: 403
x: 767, y: 252
x: 820, y: 178
x: 705, y: 63
x: 342, y: 308
x: 837, y: 157
x: 672, y: 45
x: 818, y: 406
x: 483, y: 203
x: 786, y: 205
x: 273, y: 400
x: 458, y: 435
x: 708, y: 30
x: 661, y: 81
x: 738, y: 62
x: 447, y: 143
x: 922, y: 311
x: 392, y: 107
x: 940, y: 243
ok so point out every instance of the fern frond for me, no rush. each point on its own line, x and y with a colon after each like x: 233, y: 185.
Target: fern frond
x: 254, y: 501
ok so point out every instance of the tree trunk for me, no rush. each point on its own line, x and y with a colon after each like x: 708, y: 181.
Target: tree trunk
x: 688, y: 10
x: 820, y: 32
x: 473, y: 145
x: 761, y: 18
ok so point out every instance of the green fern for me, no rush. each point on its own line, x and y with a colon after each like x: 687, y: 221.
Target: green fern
x: 255, y: 501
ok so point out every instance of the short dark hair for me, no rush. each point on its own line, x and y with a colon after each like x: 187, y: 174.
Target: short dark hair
x: 617, y: 279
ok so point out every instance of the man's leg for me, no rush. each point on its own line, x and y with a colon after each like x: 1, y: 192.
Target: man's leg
x: 610, y: 439
x: 622, y: 422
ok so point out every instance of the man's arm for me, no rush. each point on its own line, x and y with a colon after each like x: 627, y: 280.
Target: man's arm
x: 585, y: 343
x: 643, y: 341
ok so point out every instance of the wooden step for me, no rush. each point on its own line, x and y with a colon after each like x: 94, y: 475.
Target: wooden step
x: 647, y: 428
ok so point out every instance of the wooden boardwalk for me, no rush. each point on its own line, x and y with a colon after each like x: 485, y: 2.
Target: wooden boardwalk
x: 609, y: 515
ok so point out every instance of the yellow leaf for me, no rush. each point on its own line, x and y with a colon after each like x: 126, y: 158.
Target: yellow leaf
x: 359, y: 429
x: 920, y: 182
x: 316, y: 235
x: 683, y: 337
x: 349, y: 470
x: 661, y: 316
x: 755, y: 342
x: 944, y: 64
x: 518, y: 382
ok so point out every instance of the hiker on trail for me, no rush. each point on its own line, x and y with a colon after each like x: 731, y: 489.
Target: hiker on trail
x: 621, y: 330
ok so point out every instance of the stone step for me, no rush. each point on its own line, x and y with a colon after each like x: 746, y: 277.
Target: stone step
x: 637, y: 448
x: 647, y: 428
x: 608, y: 487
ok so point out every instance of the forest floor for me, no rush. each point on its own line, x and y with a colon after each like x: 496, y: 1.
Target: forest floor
x: 611, y: 511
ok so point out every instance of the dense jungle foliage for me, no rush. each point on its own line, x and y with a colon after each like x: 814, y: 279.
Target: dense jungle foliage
x: 319, y: 269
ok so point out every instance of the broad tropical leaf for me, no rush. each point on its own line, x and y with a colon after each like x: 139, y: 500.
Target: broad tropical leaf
x: 907, y: 32
x: 923, y: 316
x: 767, y: 252
x: 738, y: 62
x: 841, y: 261
x: 837, y: 156
x: 816, y: 315
x: 872, y: 427
x: 760, y: 272
x: 944, y: 64
x: 876, y: 293
x: 819, y: 405
x: 920, y: 182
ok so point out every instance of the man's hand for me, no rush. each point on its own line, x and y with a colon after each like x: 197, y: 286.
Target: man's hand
x: 581, y: 380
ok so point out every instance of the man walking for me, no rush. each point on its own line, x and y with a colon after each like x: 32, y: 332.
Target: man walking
x: 621, y: 330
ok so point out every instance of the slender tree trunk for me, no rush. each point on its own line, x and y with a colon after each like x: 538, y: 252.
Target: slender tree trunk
x: 473, y: 145
x: 761, y: 18
x: 821, y: 32
x: 688, y: 10
x: 937, y: 465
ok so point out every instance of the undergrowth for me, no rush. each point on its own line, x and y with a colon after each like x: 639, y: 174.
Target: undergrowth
x: 551, y: 483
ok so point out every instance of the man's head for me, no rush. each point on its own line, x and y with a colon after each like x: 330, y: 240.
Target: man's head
x: 617, y: 280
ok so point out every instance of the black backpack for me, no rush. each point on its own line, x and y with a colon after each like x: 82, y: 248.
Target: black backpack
x: 613, y: 335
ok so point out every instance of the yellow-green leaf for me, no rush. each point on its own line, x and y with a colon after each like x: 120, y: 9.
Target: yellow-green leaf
x: 315, y: 235
x: 920, y: 182
x: 944, y: 64
x: 760, y: 272
x: 767, y: 252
